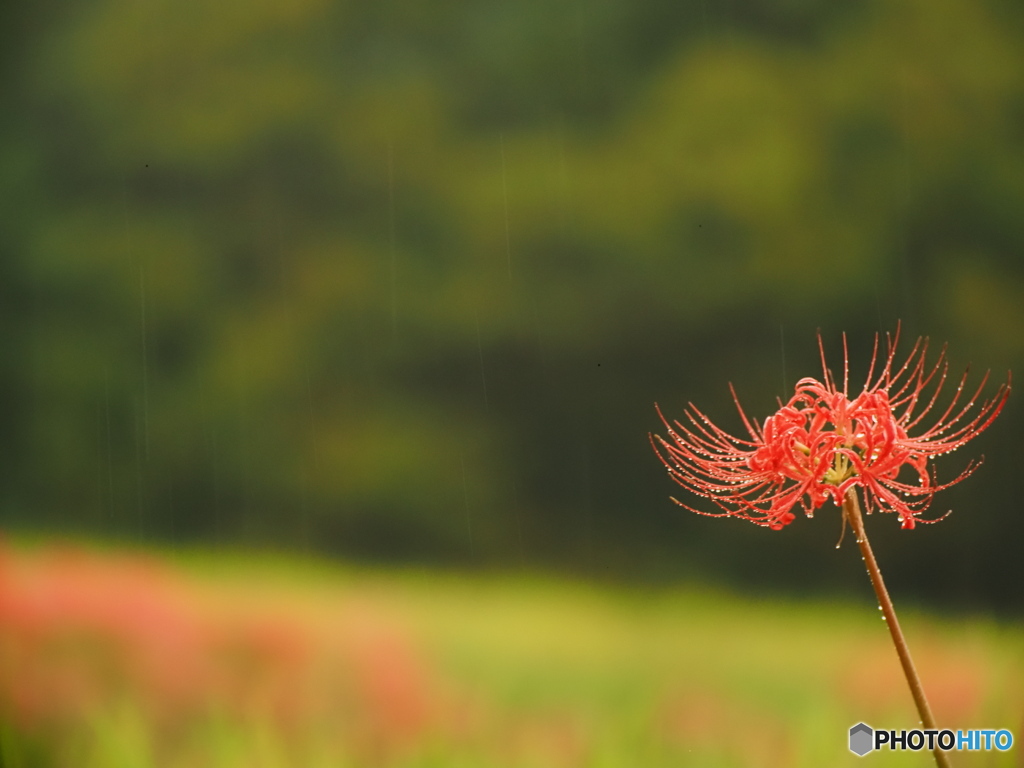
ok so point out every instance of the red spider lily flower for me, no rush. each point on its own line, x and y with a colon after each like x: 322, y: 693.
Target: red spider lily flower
x: 822, y: 443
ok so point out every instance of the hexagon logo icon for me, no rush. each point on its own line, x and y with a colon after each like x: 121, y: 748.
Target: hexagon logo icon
x: 861, y: 739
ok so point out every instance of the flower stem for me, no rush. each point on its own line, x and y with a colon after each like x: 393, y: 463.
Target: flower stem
x: 851, y: 507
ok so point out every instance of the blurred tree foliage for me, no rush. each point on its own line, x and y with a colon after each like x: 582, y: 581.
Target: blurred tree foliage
x: 403, y: 278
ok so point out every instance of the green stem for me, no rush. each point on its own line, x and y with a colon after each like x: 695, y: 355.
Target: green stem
x: 851, y: 507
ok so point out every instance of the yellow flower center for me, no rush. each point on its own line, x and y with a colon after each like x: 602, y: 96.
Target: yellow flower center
x: 841, y: 470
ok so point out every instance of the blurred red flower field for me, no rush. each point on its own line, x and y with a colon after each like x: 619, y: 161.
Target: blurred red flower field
x: 111, y: 658
x: 83, y: 633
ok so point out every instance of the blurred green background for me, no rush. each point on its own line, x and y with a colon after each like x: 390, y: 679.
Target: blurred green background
x: 401, y: 281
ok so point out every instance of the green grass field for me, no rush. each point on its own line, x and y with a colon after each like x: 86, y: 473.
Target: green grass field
x: 211, y: 659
